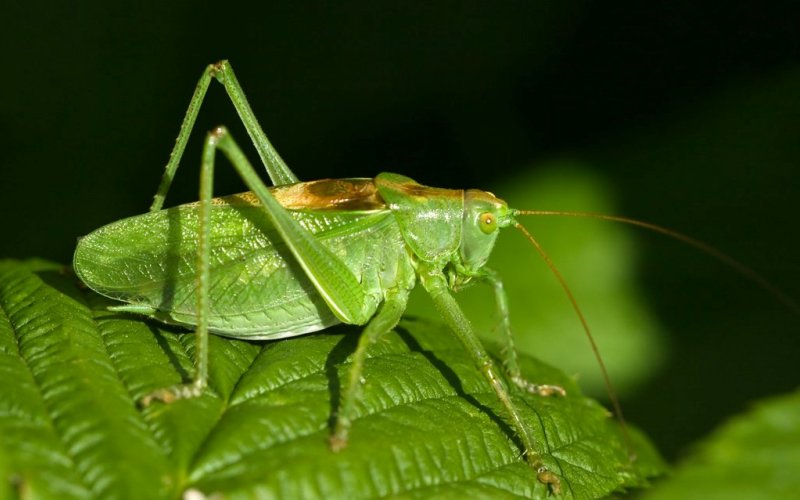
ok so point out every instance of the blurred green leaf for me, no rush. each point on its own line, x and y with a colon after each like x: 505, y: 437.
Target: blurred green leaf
x: 755, y: 455
x: 598, y: 260
x: 428, y: 423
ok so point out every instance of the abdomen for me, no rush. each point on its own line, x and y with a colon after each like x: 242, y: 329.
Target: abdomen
x: 257, y: 290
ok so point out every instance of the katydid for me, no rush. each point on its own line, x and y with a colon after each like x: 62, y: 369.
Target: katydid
x: 302, y: 256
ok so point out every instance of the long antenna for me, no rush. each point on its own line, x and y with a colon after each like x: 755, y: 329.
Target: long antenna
x: 737, y: 266
x: 612, y: 394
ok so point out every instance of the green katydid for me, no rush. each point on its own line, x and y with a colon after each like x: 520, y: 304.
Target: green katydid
x: 297, y: 258
x: 301, y: 256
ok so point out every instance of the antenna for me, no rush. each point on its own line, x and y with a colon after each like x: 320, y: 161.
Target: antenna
x: 612, y: 394
x: 737, y: 266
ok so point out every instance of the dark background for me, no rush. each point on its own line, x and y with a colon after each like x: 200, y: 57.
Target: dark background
x: 690, y: 110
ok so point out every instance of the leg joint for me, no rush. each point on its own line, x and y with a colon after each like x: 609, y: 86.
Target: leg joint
x: 217, y: 133
x: 217, y: 68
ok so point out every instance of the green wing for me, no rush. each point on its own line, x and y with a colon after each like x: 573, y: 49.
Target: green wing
x: 257, y: 288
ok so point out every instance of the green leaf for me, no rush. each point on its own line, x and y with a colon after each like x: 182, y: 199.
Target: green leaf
x: 753, y: 456
x: 428, y: 423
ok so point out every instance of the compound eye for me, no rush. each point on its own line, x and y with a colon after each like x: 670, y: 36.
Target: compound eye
x: 487, y: 222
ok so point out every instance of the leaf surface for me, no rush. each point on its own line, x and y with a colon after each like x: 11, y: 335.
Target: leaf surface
x: 753, y: 456
x: 428, y: 423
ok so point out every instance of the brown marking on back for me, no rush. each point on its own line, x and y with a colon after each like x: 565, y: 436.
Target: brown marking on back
x: 487, y: 196
x: 324, y: 194
x: 414, y: 189
x: 424, y: 192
